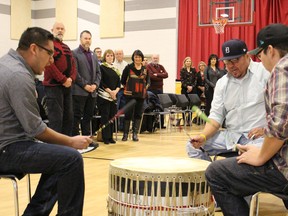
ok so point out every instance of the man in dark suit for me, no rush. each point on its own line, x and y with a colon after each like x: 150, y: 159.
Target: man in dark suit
x: 86, y: 83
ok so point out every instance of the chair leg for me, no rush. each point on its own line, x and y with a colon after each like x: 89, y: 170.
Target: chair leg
x: 16, y: 199
x: 116, y: 128
x: 29, y: 188
x: 141, y: 121
x: 254, y: 205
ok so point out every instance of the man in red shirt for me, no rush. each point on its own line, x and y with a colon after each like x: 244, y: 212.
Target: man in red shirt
x: 58, y: 78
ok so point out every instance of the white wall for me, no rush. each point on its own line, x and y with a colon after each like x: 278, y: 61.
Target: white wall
x: 156, y: 38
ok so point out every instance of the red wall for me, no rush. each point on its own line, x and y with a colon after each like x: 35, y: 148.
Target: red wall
x: 199, y: 42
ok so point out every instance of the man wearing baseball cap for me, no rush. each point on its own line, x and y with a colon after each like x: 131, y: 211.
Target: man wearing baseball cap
x: 239, y: 100
x: 266, y: 168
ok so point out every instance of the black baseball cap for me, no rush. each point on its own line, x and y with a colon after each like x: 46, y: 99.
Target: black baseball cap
x: 270, y: 35
x: 233, y: 49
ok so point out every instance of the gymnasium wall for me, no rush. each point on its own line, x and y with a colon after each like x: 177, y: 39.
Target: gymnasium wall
x: 149, y: 25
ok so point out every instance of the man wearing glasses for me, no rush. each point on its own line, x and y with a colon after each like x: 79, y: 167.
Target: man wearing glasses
x: 58, y: 78
x: 55, y: 157
x: 239, y: 100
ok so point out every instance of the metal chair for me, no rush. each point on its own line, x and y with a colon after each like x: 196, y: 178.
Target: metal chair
x: 169, y: 106
x: 166, y: 103
x: 183, y: 103
x: 13, y: 177
x: 175, y: 108
x: 195, y: 101
x: 254, y: 203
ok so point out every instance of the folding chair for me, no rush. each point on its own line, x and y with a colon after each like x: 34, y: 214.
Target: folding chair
x: 13, y: 177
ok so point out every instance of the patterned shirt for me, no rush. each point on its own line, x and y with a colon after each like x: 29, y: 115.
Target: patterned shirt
x: 63, y: 67
x: 276, y: 99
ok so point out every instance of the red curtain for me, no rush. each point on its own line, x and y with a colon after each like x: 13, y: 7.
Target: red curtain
x: 199, y: 42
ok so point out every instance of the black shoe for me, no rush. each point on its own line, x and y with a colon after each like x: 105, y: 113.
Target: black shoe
x: 106, y: 142
x: 125, y: 137
x: 94, y: 145
x: 135, y: 137
x: 112, y: 141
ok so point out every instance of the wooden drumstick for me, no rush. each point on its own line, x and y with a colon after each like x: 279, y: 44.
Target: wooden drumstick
x: 125, y: 109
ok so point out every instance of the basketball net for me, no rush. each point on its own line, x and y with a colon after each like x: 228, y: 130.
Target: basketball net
x: 219, y: 25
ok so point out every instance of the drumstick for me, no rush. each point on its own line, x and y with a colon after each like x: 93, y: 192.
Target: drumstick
x: 203, y: 116
x: 125, y: 109
x: 201, y: 148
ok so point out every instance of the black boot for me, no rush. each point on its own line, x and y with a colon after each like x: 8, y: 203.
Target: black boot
x: 136, y: 125
x: 126, y: 130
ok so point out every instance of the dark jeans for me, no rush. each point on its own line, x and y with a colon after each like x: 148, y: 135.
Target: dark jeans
x: 121, y: 101
x: 59, y: 107
x: 209, y: 97
x: 107, y: 110
x: 136, y: 111
x: 62, y: 176
x: 83, y: 107
x: 230, y: 182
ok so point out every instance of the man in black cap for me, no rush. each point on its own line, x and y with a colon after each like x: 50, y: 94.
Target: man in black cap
x: 239, y: 100
x: 266, y: 168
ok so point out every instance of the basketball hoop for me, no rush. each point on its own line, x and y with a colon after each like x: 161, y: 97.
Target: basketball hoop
x: 219, y: 25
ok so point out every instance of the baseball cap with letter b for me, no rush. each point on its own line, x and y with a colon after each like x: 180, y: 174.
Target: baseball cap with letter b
x: 233, y: 49
x: 270, y: 35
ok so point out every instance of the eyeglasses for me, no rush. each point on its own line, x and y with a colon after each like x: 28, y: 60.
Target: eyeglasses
x: 232, y: 61
x: 50, y: 52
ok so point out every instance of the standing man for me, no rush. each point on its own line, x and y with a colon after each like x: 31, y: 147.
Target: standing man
x: 98, y: 52
x: 56, y: 157
x: 87, y: 81
x: 120, y: 64
x: 266, y: 168
x: 58, y: 78
x: 239, y: 100
x: 157, y: 73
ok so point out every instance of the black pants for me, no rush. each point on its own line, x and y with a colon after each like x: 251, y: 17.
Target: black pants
x: 107, y: 110
x: 83, y: 107
x: 59, y: 107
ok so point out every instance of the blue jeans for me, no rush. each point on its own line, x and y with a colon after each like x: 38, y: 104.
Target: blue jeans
x: 62, y: 176
x: 217, y: 144
x: 230, y: 182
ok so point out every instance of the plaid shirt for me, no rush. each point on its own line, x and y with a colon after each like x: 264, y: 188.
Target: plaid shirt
x: 276, y: 100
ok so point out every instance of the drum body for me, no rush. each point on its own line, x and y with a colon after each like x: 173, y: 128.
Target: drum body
x: 159, y: 186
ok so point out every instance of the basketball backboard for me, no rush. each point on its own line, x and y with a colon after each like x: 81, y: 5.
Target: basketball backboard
x: 236, y: 11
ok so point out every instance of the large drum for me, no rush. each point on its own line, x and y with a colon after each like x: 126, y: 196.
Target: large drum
x: 159, y: 186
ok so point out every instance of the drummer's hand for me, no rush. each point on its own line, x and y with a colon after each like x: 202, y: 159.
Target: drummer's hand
x: 197, y: 141
x: 249, y: 154
x: 255, y: 133
x: 80, y: 142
